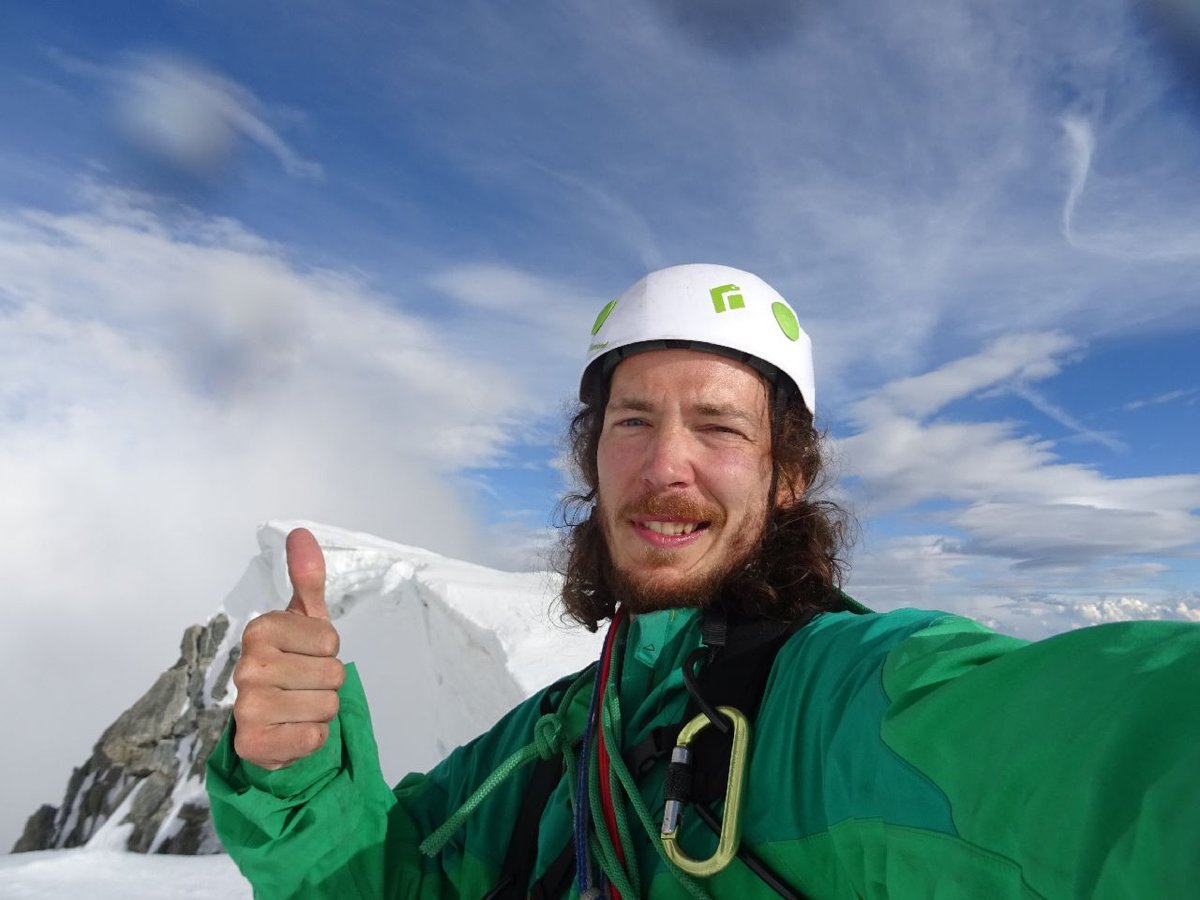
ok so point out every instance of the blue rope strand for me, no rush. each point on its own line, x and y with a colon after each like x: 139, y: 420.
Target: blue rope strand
x: 582, y: 812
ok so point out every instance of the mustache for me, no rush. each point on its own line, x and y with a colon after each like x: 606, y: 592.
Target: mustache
x: 672, y: 506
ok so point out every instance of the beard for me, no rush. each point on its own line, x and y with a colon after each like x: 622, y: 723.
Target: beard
x: 653, y: 587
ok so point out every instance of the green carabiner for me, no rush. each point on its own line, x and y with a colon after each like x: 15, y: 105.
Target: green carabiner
x: 731, y: 828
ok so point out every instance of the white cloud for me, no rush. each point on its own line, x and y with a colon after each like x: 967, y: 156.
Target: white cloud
x: 533, y: 327
x: 505, y: 296
x: 934, y: 571
x: 1081, y: 144
x: 168, y: 382
x: 1045, y: 531
x: 1188, y: 394
x: 1128, y: 609
x: 187, y: 115
x: 899, y: 175
x: 1082, y: 432
x: 1016, y: 358
x: 1125, y: 218
x: 905, y: 571
x: 1037, y: 617
x: 1006, y: 500
x: 616, y: 219
x: 190, y: 116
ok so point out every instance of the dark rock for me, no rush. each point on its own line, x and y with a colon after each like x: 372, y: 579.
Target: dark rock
x: 38, y: 829
x: 143, y: 785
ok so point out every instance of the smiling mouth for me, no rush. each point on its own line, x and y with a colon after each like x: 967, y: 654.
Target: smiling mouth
x: 673, y: 529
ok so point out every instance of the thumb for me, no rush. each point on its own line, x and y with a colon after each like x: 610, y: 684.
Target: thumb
x: 306, y: 572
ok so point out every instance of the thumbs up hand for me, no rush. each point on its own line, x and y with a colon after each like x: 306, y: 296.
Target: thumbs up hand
x: 289, y: 674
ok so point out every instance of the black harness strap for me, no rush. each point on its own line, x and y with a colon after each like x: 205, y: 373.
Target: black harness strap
x: 735, y: 675
x: 522, y: 846
x: 557, y: 877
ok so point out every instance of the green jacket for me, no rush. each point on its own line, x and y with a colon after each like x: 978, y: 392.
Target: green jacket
x: 901, y: 755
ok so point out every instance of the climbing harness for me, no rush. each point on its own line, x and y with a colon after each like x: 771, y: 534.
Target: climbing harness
x: 706, y: 753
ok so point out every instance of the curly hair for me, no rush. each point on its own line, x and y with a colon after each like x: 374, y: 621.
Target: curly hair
x: 796, y: 566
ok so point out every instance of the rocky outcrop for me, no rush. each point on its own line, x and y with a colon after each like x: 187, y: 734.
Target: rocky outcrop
x: 143, y: 787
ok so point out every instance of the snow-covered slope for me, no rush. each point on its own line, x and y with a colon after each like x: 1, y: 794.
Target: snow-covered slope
x: 443, y: 647
x: 113, y: 875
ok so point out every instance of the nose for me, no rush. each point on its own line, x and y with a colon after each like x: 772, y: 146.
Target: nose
x: 668, y: 459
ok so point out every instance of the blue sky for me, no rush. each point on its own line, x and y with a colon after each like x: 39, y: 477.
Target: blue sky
x: 337, y: 261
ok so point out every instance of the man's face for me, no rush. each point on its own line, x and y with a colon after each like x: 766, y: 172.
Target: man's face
x: 684, y: 461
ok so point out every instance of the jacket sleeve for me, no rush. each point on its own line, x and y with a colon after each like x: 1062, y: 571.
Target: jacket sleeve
x: 1073, y: 760
x: 328, y: 825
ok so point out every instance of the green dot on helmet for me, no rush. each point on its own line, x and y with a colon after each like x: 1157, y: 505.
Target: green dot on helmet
x: 784, y: 316
x: 604, y: 313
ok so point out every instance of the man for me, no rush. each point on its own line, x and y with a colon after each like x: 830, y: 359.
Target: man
x: 749, y: 731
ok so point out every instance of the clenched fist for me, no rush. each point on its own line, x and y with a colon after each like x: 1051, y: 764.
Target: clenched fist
x: 289, y: 674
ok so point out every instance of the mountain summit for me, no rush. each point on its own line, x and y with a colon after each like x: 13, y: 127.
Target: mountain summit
x: 443, y: 647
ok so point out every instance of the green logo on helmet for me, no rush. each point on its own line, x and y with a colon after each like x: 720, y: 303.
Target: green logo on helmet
x: 787, y: 320
x: 603, y: 317
x: 727, y: 293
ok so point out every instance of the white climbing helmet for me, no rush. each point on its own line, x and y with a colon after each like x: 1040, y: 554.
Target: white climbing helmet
x: 703, y: 307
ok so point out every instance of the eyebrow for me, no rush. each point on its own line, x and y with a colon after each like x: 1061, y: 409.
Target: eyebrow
x: 631, y: 404
x: 715, y: 410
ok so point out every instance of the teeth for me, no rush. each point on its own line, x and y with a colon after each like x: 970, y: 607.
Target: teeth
x: 671, y: 527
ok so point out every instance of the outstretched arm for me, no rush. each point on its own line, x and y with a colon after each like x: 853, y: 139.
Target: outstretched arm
x: 297, y: 794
